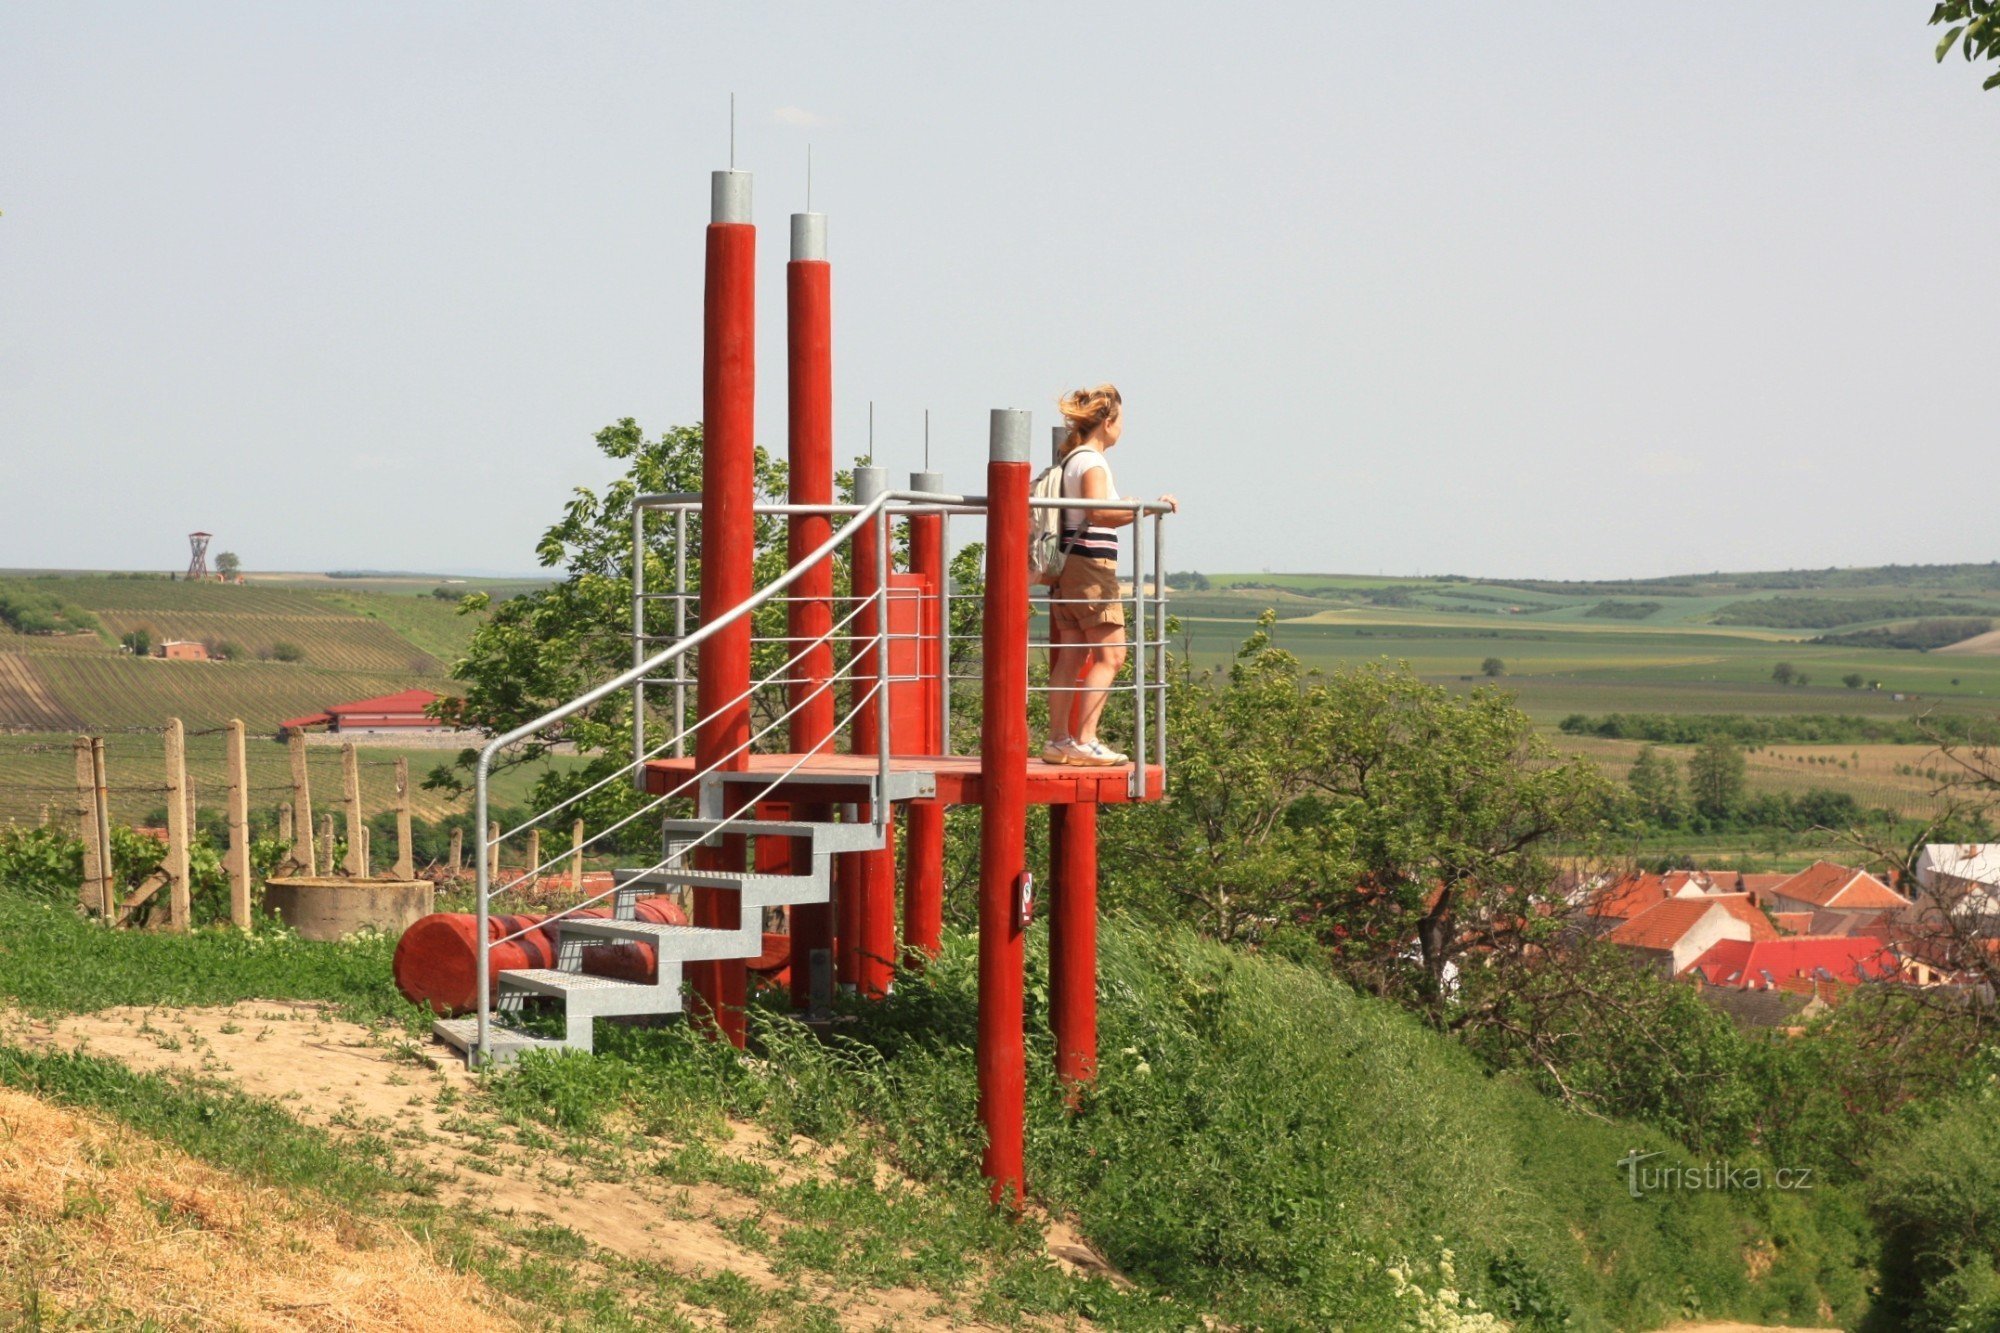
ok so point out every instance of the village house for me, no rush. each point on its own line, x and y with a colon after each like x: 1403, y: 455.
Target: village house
x: 182, y: 650
x: 1673, y: 933
x: 1824, y: 886
x: 399, y: 714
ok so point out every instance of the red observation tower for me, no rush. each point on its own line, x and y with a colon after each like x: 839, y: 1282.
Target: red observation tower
x: 783, y: 732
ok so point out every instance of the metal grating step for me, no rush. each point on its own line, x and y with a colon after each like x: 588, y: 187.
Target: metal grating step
x: 904, y: 784
x: 825, y: 837
x: 505, y: 1044
x: 758, y: 889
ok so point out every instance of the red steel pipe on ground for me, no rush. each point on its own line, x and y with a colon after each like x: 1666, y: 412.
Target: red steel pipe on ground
x: 1003, y: 752
x: 923, y: 854
x: 728, y: 552
x: 809, y: 384
x: 1073, y: 939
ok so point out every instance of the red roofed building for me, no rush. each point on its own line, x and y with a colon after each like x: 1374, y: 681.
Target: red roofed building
x: 1794, y: 923
x: 388, y: 712
x: 1825, y: 885
x: 1796, y: 963
x: 1676, y: 932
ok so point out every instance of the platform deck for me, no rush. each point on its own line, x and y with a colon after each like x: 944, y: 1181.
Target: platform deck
x: 959, y: 778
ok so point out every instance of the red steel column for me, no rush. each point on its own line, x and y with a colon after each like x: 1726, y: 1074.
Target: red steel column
x: 875, y: 877
x: 923, y: 848
x: 1073, y: 940
x: 809, y: 365
x: 1003, y: 755
x: 728, y: 549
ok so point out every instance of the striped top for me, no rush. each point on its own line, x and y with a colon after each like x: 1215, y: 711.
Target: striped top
x: 1081, y: 538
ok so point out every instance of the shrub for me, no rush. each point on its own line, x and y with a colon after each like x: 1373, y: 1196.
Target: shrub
x: 286, y: 651
x: 1935, y: 1197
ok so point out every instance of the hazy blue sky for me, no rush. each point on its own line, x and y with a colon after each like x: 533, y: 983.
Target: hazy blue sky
x: 1558, y: 290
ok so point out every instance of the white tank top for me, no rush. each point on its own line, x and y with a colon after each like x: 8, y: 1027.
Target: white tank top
x: 1080, y: 538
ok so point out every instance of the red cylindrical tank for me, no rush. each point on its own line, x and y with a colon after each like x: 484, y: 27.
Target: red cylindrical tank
x: 436, y: 960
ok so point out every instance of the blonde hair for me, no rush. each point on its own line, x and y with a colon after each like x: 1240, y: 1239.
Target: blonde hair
x: 1087, y: 410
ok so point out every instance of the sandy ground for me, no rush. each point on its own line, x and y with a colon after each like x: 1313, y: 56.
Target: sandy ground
x: 98, y: 1223
x: 1982, y: 644
x: 348, y: 1080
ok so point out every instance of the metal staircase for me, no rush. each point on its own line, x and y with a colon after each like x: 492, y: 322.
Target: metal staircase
x: 495, y: 1034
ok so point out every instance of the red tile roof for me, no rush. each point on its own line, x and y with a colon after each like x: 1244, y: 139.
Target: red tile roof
x: 1793, y: 963
x: 1824, y: 884
x: 1794, y: 923
x: 1663, y: 926
x: 1629, y: 896
x: 405, y: 701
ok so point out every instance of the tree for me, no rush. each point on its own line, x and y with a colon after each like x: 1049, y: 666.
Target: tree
x: 1853, y: 680
x: 1188, y: 580
x: 1655, y: 781
x: 284, y: 650
x: 1407, y: 829
x: 1975, y: 30
x: 1492, y: 667
x: 138, y: 641
x: 227, y: 564
x: 1783, y: 673
x: 1716, y: 777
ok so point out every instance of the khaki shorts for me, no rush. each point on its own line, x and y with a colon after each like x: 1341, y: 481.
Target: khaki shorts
x: 1086, y: 596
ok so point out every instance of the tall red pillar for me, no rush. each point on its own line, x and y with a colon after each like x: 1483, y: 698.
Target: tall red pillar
x: 1073, y: 939
x: 809, y: 616
x: 873, y: 873
x: 1003, y: 754
x: 728, y: 551
x: 923, y: 846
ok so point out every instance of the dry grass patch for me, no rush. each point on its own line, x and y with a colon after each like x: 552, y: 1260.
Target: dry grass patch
x: 105, y: 1228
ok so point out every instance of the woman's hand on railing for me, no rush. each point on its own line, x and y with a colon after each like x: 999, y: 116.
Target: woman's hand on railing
x: 1173, y: 504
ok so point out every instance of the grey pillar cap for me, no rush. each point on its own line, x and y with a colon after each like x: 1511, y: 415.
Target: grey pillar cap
x: 930, y: 483
x: 1007, y: 436
x: 808, y: 236
x: 869, y: 483
x: 729, y: 196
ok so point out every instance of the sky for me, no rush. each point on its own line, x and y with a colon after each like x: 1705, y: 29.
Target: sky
x: 1531, y: 290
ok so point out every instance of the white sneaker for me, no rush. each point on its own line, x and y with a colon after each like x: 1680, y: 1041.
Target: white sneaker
x: 1098, y: 754
x: 1057, y: 750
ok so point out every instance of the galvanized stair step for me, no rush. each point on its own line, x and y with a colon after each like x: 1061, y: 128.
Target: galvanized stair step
x: 601, y: 995
x: 903, y: 785
x: 826, y: 838
x: 758, y: 888
x: 673, y: 943
x: 505, y: 1045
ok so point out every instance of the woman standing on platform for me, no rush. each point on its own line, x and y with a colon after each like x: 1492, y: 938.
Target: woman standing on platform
x: 1086, y: 613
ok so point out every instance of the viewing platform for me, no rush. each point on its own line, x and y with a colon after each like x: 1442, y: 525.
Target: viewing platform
x: 957, y: 779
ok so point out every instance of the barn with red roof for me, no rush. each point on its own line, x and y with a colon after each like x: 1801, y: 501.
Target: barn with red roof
x: 405, y: 711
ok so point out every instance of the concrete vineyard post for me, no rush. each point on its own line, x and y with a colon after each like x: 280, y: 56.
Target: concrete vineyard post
x: 180, y: 906
x: 406, y: 864
x: 302, y: 807
x: 350, y: 783
x: 91, y: 895
x: 239, y: 827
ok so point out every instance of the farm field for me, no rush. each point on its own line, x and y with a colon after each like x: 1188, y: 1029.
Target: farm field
x: 38, y: 772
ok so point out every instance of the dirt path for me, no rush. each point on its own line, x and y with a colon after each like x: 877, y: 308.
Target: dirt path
x: 351, y: 1081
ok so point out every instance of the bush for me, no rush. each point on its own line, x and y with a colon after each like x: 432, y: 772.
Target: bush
x: 286, y: 651
x: 1935, y: 1197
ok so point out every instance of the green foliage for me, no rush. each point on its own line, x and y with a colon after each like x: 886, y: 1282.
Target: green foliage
x: 1655, y: 781
x: 1833, y: 612
x: 1854, y: 680
x: 1492, y: 667
x: 33, y: 611
x: 1188, y: 581
x: 1617, y: 610
x: 1935, y: 1196
x: 139, y: 641
x: 1975, y: 30
x: 228, y: 564
x: 42, y: 862
x: 1784, y: 673
x: 284, y: 650
x: 1364, y: 806
x: 1919, y: 636
x: 1716, y: 777
x: 1792, y: 728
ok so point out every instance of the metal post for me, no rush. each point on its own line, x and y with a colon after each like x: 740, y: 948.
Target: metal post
x: 882, y: 703
x: 640, y: 651
x: 728, y: 559
x: 944, y: 634
x: 923, y: 860
x: 680, y: 631
x: 1073, y: 940
x: 1160, y: 645
x: 482, y: 855
x: 1003, y: 750
x: 809, y: 615
x: 1136, y: 784
x: 870, y: 877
